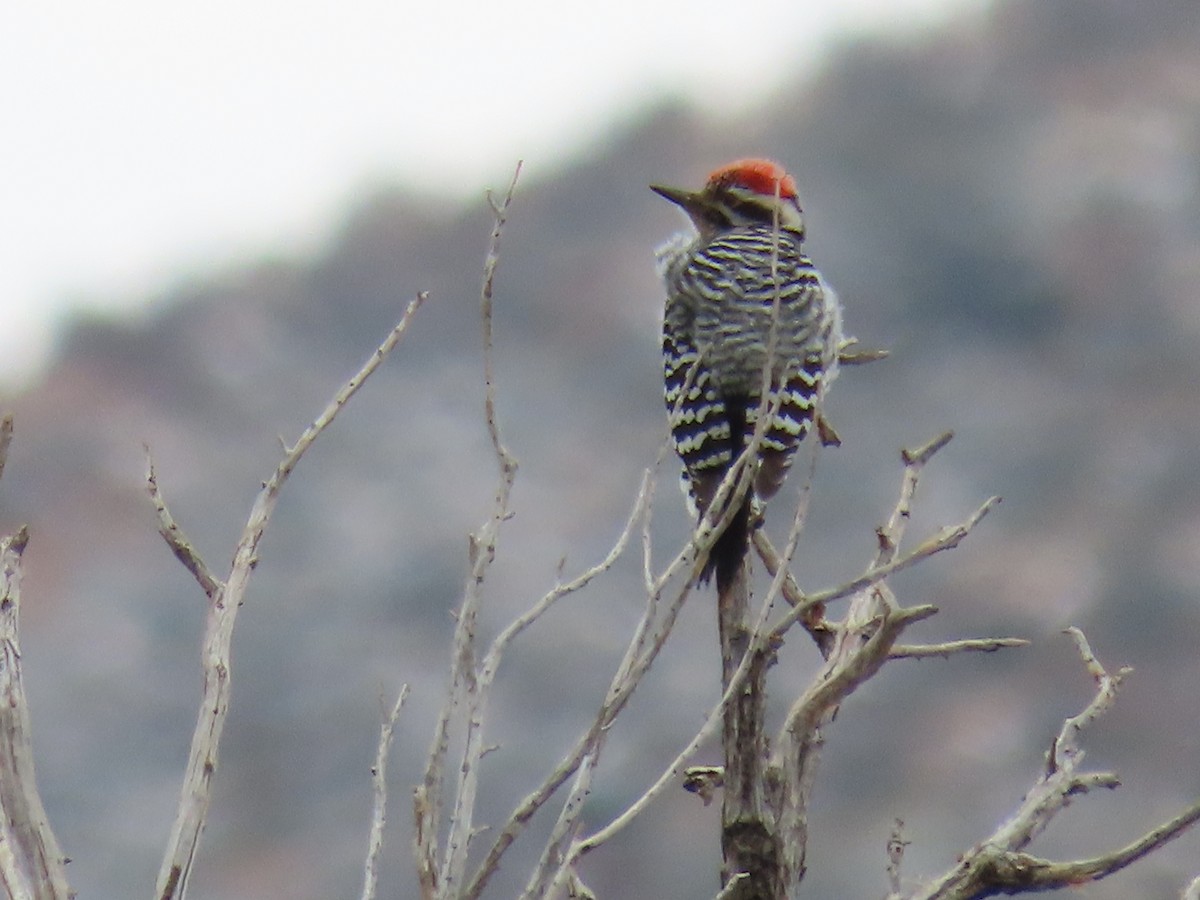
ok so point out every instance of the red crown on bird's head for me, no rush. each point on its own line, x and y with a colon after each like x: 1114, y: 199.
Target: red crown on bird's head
x: 762, y: 176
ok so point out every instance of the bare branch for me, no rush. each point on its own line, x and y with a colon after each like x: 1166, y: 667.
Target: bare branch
x: 491, y: 262
x: 32, y: 864
x: 949, y: 648
x: 840, y: 679
x: 196, y: 793
x: 849, y: 356
x: 892, y: 532
x: 946, y: 539
x: 379, y: 795
x: 174, y: 536
x: 855, y: 649
x: 648, y: 640
x: 735, y: 683
x: 487, y: 672
x: 1021, y: 873
x: 998, y: 863
x: 583, y: 765
x: 895, y: 852
x: 772, y: 562
x: 668, y: 775
x: 466, y: 698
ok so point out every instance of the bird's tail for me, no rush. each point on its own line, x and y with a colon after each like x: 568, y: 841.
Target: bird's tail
x: 729, y: 550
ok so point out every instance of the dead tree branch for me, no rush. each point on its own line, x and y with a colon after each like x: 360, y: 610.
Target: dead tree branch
x: 949, y: 648
x: 999, y: 865
x: 226, y: 599
x: 856, y: 648
x: 174, y: 536
x: 379, y: 794
x: 466, y: 699
x: 32, y: 864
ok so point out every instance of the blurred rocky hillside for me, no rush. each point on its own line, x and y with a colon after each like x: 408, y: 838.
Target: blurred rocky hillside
x: 1011, y: 205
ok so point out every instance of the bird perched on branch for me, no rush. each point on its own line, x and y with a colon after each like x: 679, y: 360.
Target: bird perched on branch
x: 745, y: 308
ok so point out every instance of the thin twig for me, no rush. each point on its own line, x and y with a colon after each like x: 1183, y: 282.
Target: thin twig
x: 647, y: 641
x: 949, y: 648
x: 895, y: 852
x: 465, y: 698
x: 946, y: 539
x: 856, y: 648
x: 491, y: 262
x: 649, y: 638
x: 998, y: 863
x: 174, y: 536
x: 891, y: 534
x: 848, y: 355
x: 196, y: 793
x: 566, y: 825
x: 379, y: 794
x: 736, y: 683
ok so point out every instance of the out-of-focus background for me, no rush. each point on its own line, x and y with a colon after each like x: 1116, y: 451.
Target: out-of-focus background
x: 213, y: 216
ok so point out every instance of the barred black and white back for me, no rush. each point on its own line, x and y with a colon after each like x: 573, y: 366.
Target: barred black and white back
x: 723, y: 283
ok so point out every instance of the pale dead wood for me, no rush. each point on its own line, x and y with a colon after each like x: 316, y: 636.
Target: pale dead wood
x: 998, y: 864
x: 556, y: 864
x: 520, y: 817
x: 736, y: 683
x: 944, y: 539
x: 379, y: 796
x: 895, y: 856
x: 879, y: 637
x: 752, y: 836
x: 583, y: 761
x: 849, y: 354
x: 32, y: 865
x: 648, y: 640
x: 180, y: 546
x: 856, y: 648
x: 949, y: 648
x: 464, y: 710
x: 465, y: 699
x: 650, y: 636
x: 226, y: 600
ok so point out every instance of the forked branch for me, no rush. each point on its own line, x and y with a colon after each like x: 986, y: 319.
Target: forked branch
x: 999, y: 863
x: 225, y: 599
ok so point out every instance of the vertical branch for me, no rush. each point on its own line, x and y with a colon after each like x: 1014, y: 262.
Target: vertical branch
x: 749, y: 839
x: 466, y: 698
x: 857, y: 649
x: 225, y: 601
x: 379, y: 791
x: 31, y: 862
x: 500, y: 214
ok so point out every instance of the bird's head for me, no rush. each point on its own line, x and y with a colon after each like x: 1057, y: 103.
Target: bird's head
x: 745, y: 192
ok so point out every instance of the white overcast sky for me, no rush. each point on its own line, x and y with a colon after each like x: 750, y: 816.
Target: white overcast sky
x: 143, y: 139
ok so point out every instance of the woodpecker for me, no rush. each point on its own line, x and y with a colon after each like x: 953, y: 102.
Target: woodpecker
x: 724, y: 278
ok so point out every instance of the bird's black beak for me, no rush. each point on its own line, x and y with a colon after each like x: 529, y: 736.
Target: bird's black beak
x: 689, y: 200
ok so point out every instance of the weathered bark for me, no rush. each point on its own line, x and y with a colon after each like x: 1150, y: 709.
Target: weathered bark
x: 750, y: 842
